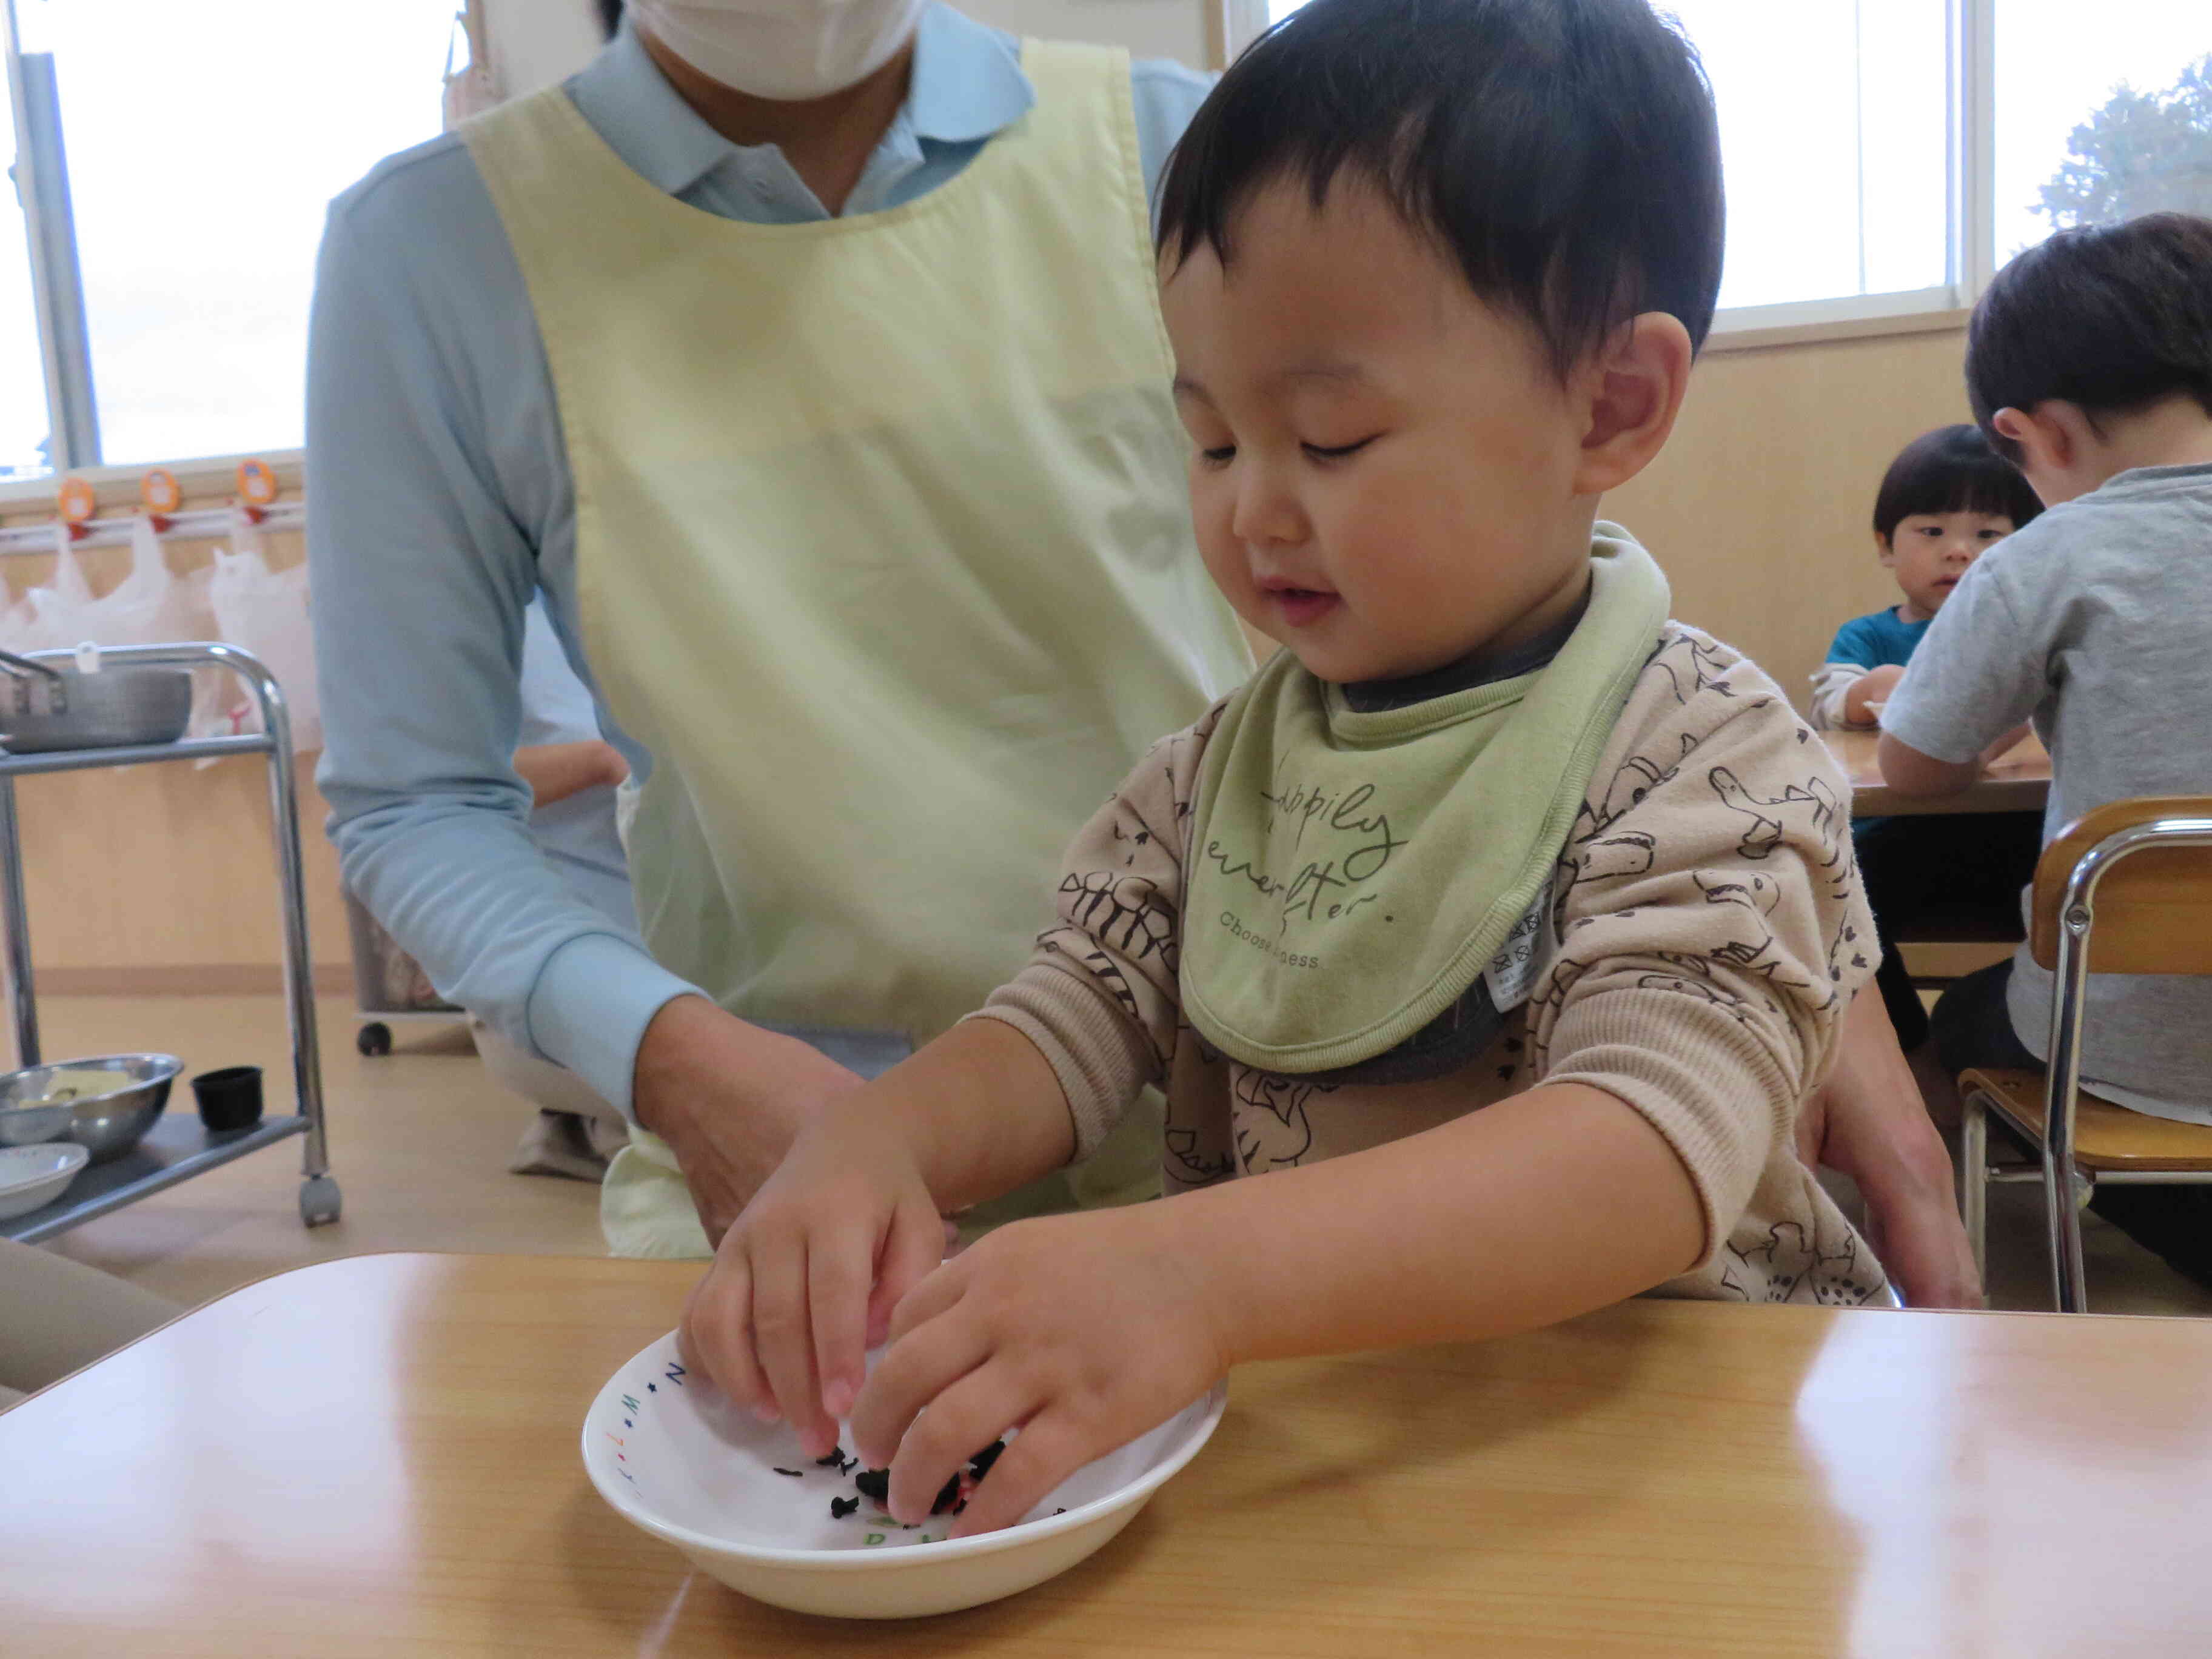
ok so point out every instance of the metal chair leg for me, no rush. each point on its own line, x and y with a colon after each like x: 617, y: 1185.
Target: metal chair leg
x: 1974, y: 1179
x: 2065, y: 1198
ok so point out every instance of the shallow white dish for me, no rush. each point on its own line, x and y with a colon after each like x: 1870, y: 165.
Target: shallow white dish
x: 32, y: 1177
x: 677, y: 1459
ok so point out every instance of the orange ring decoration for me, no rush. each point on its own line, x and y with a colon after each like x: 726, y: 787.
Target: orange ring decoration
x: 161, y: 492
x: 76, y: 500
x: 257, y: 482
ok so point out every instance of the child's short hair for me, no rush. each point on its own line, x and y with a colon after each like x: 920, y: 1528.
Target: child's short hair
x: 1952, y: 470
x: 2109, y: 317
x: 1564, y: 152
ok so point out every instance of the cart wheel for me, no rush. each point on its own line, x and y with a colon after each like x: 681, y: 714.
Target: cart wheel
x: 318, y: 1200
x: 375, y: 1038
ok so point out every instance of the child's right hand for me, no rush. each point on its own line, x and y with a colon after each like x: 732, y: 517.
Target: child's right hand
x: 805, y: 1280
x: 1874, y: 686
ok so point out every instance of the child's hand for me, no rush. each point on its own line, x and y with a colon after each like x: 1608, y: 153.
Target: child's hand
x: 1874, y: 686
x: 1084, y: 1331
x: 805, y: 1280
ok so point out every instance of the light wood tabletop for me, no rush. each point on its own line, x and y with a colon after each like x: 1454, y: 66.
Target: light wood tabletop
x: 2018, y: 781
x: 380, y: 1457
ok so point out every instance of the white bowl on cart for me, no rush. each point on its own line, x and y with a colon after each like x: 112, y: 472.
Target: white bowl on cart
x: 32, y: 1177
x: 676, y: 1459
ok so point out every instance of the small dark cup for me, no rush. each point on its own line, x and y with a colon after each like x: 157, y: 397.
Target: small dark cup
x: 230, y: 1098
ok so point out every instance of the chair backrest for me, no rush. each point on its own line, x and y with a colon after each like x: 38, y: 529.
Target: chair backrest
x: 2153, y: 908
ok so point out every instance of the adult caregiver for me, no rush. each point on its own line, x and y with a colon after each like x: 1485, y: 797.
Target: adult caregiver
x: 806, y: 358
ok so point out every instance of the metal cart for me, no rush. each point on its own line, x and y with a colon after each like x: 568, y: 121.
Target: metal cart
x: 177, y: 1148
x: 390, y: 985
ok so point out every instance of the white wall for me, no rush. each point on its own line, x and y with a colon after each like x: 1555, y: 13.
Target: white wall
x: 535, y: 42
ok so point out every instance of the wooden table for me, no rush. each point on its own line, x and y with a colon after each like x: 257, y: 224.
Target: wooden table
x: 2019, y: 781
x: 379, y: 1456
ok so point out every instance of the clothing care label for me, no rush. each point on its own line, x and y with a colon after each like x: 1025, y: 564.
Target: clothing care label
x: 1512, y: 972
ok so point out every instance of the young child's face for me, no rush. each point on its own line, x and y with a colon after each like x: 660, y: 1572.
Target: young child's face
x: 1927, y: 552
x: 1384, y: 467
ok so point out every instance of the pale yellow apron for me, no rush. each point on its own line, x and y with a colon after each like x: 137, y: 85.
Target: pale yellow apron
x: 883, y: 552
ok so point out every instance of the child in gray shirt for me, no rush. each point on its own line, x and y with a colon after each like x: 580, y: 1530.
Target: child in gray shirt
x: 2089, y: 364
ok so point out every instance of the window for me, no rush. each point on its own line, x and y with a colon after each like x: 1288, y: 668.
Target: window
x: 204, y: 142
x: 1857, y: 199
x: 23, y: 375
x: 2099, y: 123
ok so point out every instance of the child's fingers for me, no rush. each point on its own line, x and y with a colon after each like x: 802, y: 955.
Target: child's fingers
x: 716, y: 1336
x: 918, y: 1368
x: 913, y: 1247
x: 1045, y: 1453
x: 931, y: 1295
x: 783, y: 1333
x: 962, y: 1419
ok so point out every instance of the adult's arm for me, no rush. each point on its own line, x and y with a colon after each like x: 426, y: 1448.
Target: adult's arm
x: 421, y: 570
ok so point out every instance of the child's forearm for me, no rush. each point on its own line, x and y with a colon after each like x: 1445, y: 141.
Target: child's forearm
x: 555, y: 771
x: 1872, y: 686
x: 1542, y: 1206
x: 980, y: 1110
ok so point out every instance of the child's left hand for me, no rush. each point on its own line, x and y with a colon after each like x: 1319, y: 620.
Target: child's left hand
x: 1083, y: 1330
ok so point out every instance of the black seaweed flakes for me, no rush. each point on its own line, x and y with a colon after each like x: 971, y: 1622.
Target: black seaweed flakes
x: 947, y: 1495
x: 874, y: 1483
x: 796, y: 1475
x: 841, y: 1507
x: 980, y: 1464
x: 835, y: 1460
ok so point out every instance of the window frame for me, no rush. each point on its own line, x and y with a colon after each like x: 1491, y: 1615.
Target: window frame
x: 1971, y: 32
x: 1971, y: 164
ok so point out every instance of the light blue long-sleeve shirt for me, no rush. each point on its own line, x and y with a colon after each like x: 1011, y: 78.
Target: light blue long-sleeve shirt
x: 440, y: 500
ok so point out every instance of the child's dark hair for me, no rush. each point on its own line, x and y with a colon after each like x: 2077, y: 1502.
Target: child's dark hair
x: 1952, y: 470
x: 2109, y: 317
x: 1564, y: 152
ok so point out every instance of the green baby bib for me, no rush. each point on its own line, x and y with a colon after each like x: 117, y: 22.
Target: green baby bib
x: 1352, y: 873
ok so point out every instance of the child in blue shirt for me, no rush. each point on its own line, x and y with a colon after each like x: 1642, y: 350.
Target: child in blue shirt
x: 1946, y: 497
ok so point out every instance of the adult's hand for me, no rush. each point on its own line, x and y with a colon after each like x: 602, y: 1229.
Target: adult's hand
x: 728, y: 1097
x: 1869, y: 1122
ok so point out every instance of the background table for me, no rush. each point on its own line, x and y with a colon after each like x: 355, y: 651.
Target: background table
x: 2019, y: 781
x: 379, y: 1456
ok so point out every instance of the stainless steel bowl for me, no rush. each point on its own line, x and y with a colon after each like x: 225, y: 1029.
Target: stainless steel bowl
x: 115, y: 708
x: 108, y: 1125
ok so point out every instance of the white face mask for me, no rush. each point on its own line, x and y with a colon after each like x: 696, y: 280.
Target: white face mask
x: 789, y: 50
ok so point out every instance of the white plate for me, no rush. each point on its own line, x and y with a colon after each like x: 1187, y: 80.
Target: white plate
x: 677, y: 1459
x: 32, y: 1177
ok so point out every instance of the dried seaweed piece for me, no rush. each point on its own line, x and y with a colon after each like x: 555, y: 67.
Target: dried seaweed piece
x: 796, y: 1475
x: 980, y: 1464
x: 835, y: 1460
x: 874, y: 1483
x: 947, y: 1496
x: 841, y: 1507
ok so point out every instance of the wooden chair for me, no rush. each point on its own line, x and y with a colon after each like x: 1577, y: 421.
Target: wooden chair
x: 2138, y: 873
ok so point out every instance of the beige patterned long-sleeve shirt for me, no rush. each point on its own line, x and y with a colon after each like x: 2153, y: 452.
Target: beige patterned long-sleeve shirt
x: 1705, y: 933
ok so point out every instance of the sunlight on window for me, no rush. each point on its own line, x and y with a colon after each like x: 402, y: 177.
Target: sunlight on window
x: 204, y: 142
